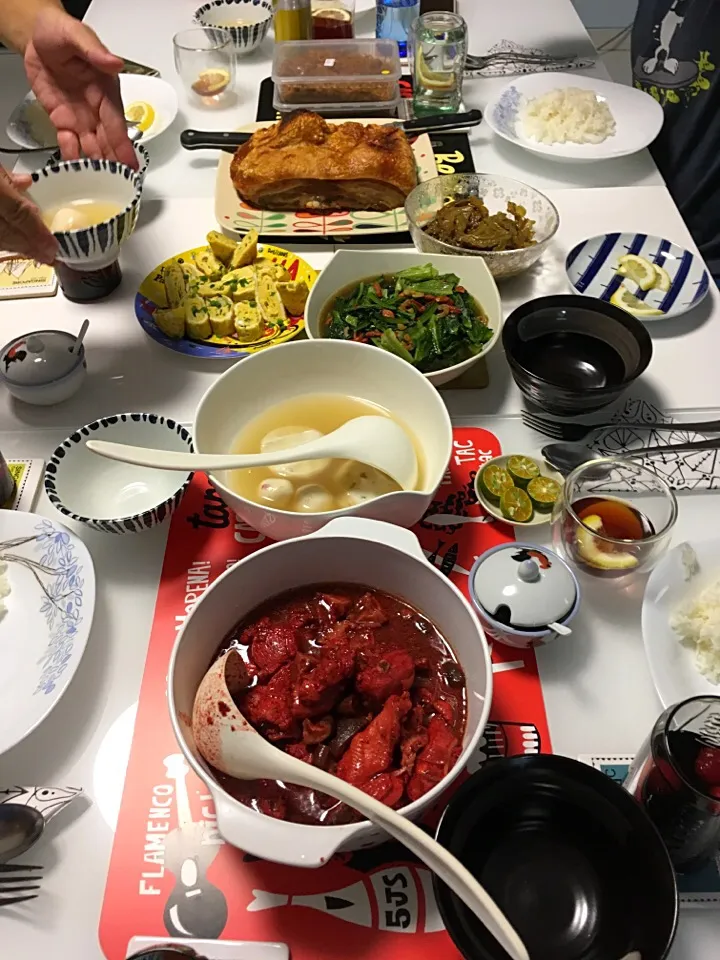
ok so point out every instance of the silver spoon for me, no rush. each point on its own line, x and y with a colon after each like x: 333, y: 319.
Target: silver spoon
x: 20, y: 827
x: 565, y: 456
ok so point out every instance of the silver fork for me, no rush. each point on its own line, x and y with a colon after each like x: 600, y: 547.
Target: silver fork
x: 557, y: 430
x: 531, y: 59
x: 18, y: 879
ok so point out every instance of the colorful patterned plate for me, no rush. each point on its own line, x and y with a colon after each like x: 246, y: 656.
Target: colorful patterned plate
x: 238, y: 217
x: 151, y: 295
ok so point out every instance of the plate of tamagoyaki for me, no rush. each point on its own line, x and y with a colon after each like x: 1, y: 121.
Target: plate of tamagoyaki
x: 226, y: 299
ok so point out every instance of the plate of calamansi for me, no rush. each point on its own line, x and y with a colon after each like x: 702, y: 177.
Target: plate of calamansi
x: 645, y: 275
x: 225, y: 300
x: 518, y: 489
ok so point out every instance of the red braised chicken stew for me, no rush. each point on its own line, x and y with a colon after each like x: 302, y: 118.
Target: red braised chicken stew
x: 354, y: 681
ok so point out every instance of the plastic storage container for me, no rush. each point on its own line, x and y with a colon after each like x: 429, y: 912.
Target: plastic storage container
x: 337, y: 76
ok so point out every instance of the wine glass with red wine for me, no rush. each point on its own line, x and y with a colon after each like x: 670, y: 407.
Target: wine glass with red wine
x: 614, y: 518
x: 676, y: 777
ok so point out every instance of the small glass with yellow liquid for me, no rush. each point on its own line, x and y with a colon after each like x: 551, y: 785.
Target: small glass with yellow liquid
x: 292, y: 20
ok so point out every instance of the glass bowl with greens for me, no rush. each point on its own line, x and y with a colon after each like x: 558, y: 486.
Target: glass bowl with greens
x: 441, y: 314
x: 507, y: 223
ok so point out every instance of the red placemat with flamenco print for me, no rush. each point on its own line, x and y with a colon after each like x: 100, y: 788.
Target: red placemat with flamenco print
x: 170, y: 873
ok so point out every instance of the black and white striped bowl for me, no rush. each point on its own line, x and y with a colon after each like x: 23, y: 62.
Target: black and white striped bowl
x: 141, y: 152
x: 104, y: 181
x: 257, y: 15
x: 116, y: 497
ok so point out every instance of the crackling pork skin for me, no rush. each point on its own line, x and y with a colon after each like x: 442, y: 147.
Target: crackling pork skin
x: 305, y: 163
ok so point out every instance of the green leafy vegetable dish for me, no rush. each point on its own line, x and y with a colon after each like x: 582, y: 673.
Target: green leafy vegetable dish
x: 419, y: 314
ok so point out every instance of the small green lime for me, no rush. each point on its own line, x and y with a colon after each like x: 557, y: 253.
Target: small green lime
x: 522, y: 470
x: 493, y: 481
x: 543, y: 491
x: 516, y: 505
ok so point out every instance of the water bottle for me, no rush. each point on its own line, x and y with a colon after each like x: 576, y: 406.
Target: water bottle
x: 394, y: 19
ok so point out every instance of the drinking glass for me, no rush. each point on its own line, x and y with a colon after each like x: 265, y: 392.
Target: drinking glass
x: 671, y: 777
x: 437, y: 48
x: 333, y: 19
x: 621, y: 494
x: 205, y: 61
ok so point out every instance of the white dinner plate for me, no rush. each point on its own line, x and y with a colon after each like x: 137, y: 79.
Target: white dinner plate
x: 29, y: 125
x: 47, y: 621
x: 639, y: 117
x: 672, y: 664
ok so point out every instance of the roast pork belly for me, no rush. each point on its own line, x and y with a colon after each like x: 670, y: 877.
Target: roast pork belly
x: 305, y: 163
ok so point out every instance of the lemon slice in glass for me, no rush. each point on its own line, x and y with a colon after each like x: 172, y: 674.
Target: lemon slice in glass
x: 591, y: 553
x: 141, y: 114
x: 628, y: 301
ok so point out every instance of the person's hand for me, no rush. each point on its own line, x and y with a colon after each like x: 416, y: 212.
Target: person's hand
x: 76, y: 79
x: 21, y: 227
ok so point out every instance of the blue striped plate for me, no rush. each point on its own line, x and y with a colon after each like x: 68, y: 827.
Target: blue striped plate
x: 591, y: 269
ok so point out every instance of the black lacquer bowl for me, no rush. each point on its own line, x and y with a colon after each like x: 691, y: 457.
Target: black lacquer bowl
x: 572, y: 355
x: 568, y: 855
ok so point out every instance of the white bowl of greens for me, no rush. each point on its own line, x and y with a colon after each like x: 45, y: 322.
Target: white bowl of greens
x: 442, y: 314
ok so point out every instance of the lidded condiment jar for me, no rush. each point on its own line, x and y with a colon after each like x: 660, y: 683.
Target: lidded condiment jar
x: 524, y: 594
x: 40, y: 368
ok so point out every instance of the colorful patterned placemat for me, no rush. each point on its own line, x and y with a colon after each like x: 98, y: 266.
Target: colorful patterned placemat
x: 698, y: 889
x: 170, y: 872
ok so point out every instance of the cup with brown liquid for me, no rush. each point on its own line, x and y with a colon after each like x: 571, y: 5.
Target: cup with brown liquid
x: 614, y: 518
x: 333, y: 19
x: 91, y: 208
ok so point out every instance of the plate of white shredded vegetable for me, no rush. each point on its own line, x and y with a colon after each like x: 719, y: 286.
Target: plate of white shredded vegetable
x: 681, y: 622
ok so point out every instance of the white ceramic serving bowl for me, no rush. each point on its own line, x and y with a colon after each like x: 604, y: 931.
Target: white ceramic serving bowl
x: 348, y: 550
x: 105, y: 181
x: 352, y: 266
x: 111, y: 496
x: 141, y: 152
x: 255, y: 14
x: 272, y: 376
x: 430, y: 196
x: 40, y: 369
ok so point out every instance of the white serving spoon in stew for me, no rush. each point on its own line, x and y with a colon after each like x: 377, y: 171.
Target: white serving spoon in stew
x: 378, y: 441
x: 230, y: 744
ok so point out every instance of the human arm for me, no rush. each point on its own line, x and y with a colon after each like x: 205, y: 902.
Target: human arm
x: 17, y: 20
x: 21, y: 227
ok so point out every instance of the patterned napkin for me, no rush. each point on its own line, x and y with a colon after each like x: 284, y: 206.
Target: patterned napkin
x: 698, y: 470
x: 508, y: 68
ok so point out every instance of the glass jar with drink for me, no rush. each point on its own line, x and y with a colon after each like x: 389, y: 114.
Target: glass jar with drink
x: 333, y: 19
x: 292, y: 20
x: 437, y: 49
x: 614, y: 518
x: 676, y: 777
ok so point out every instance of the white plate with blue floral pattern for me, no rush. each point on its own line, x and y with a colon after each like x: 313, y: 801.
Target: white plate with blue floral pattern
x: 638, y: 116
x: 47, y: 618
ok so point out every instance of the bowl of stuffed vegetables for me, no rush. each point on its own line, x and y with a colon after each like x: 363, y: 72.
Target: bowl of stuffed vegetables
x: 441, y: 314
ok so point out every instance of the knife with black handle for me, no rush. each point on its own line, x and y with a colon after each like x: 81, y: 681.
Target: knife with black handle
x: 225, y: 140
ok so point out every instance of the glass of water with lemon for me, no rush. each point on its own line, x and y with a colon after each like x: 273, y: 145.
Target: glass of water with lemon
x: 205, y: 61
x: 437, y: 49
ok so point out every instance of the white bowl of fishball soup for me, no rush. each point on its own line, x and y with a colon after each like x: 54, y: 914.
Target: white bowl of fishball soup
x: 368, y: 564
x: 300, y: 391
x: 439, y: 313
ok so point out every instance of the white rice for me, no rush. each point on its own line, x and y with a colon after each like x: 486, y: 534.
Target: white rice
x: 697, y: 622
x: 569, y: 115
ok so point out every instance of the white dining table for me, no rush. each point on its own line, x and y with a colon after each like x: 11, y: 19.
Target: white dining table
x: 598, y: 691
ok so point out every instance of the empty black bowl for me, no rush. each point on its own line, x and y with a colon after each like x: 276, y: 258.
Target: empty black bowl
x: 572, y: 355
x: 570, y: 858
